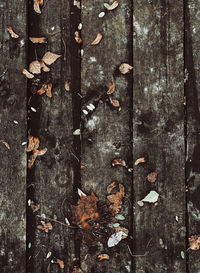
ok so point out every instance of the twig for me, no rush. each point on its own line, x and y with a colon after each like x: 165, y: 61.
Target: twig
x: 65, y: 50
x: 56, y: 221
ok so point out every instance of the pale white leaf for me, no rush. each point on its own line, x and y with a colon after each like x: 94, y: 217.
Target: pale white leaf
x: 151, y: 197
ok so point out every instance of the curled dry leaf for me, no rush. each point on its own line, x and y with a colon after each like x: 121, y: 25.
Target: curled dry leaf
x: 194, y: 242
x: 119, y: 162
x: 67, y: 85
x: 85, y: 211
x: 111, y: 187
x: 113, y: 6
x: 37, y: 4
x: 33, y: 143
x: 77, y: 270
x: 151, y: 177
x: 111, y: 88
x: 46, y: 88
x: 35, y: 67
x: 98, y: 39
x: 103, y: 257
x: 116, y: 200
x: 61, y: 263
x: 45, y: 226
x: 125, y: 68
x: 34, y: 207
x: 44, y: 67
x: 7, y: 145
x: 12, y: 33
x: 27, y: 74
x: 140, y: 160
x: 77, y: 37
x: 115, y: 103
x: 49, y: 57
x: 38, y: 40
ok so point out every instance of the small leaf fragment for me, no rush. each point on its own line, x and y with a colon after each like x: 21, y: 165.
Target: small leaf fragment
x: 120, y: 217
x: 38, y: 40
x: 140, y: 160
x: 77, y: 37
x: 49, y: 57
x: 27, y: 74
x: 115, y: 225
x: 111, y: 7
x: 45, y: 226
x: 77, y: 132
x: 183, y: 255
x: 125, y: 68
x: 140, y: 203
x: 35, y: 67
x: 115, y: 103
x: 152, y: 177
x: 36, y: 6
x: 12, y: 33
x: 106, y: 5
x: 7, y: 145
x: 111, y: 88
x: 98, y: 39
x: 194, y: 242
x: 152, y: 197
x: 80, y: 192
x: 111, y: 187
x: 103, y: 257
x: 34, y: 207
x: 48, y: 254
x: 119, y: 162
x: 61, y: 263
x: 67, y: 85
x: 46, y: 88
x: 77, y: 4
x: 116, y: 238
x: 101, y: 14
x: 29, y: 245
x: 44, y: 67
x: 33, y: 143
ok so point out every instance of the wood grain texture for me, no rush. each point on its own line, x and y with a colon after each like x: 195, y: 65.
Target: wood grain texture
x: 158, y: 135
x: 13, y: 131
x: 106, y: 126
x: 192, y: 86
x: 51, y: 179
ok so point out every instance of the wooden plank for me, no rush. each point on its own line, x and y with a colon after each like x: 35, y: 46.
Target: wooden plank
x: 13, y: 131
x: 158, y: 135
x: 51, y: 180
x: 106, y: 131
x: 192, y: 86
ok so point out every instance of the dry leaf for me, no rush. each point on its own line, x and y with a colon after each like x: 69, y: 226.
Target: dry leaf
x: 44, y: 67
x: 103, y: 257
x: 116, y: 238
x: 33, y: 143
x: 77, y: 37
x: 67, y: 85
x: 86, y: 210
x: 111, y: 187
x: 125, y: 230
x: 41, y: 152
x: 36, y: 6
x: 35, y: 67
x: 115, y: 103
x: 34, y: 207
x: 31, y: 160
x: 27, y: 74
x: 39, y: 40
x: 12, y: 33
x: 113, y: 6
x: 151, y: 177
x: 111, y: 88
x: 77, y: 270
x: 61, y: 263
x: 49, y: 57
x: 125, y: 68
x: 77, y: 4
x: 45, y: 226
x: 97, y: 40
x: 46, y: 88
x: 116, y: 200
x: 7, y: 145
x: 119, y: 162
x: 194, y: 242
x: 140, y: 160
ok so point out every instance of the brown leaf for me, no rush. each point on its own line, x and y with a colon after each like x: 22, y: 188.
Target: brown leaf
x: 77, y: 270
x: 46, y: 88
x: 33, y: 143
x: 27, y: 74
x: 140, y: 160
x: 48, y: 91
x: 116, y: 200
x: 113, y: 6
x: 42, y: 152
x: 125, y: 68
x: 32, y: 159
x: 119, y: 162
x: 35, y: 67
x: 194, y: 242
x: 7, y: 145
x: 38, y: 40
x: 45, y: 226
x: 67, y: 85
x: 97, y: 40
x: 49, y: 57
x: 77, y: 37
x: 103, y: 257
x: 34, y: 207
x: 44, y: 67
x: 111, y: 88
x: 151, y: 177
x: 115, y: 103
x: 125, y: 230
x: 61, y: 263
x: 12, y: 33
x: 86, y: 210
x: 111, y: 187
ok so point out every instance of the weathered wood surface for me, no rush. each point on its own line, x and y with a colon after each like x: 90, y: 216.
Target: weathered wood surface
x: 13, y: 131
x: 51, y: 181
x: 106, y: 132
x: 158, y: 135
x: 192, y: 92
